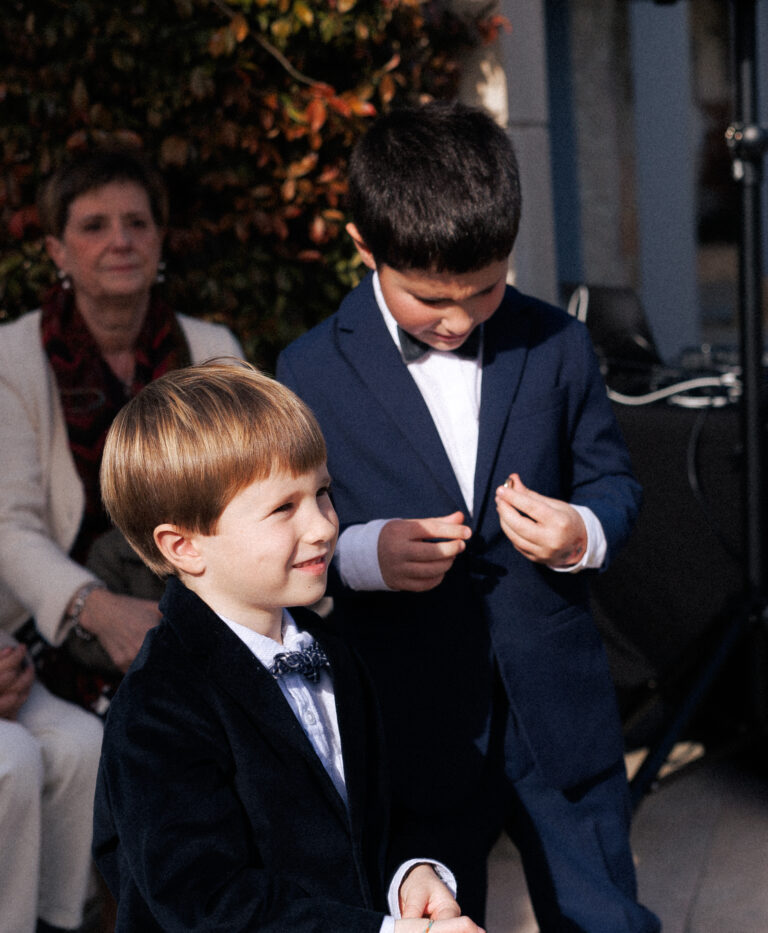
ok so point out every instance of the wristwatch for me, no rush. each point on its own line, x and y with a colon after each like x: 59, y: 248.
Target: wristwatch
x: 75, y: 611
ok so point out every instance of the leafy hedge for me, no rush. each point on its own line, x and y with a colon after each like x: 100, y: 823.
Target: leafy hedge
x: 250, y: 107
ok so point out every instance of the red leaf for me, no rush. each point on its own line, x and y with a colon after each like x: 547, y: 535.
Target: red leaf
x: 23, y: 218
x: 317, y: 114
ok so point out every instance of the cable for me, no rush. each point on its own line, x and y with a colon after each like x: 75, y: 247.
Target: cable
x: 728, y: 381
x: 692, y: 469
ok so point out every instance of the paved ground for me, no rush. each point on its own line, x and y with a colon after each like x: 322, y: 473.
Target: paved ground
x: 701, y: 846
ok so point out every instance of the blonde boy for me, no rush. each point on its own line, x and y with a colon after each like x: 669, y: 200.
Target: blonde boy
x: 241, y: 784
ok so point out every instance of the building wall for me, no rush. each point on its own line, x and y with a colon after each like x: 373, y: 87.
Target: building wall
x: 618, y: 110
x: 604, y: 152
x: 510, y: 80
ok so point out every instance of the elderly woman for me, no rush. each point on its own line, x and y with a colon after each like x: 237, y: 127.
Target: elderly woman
x: 65, y: 371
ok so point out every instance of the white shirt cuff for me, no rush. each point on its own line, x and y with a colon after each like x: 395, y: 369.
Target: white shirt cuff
x: 357, y: 556
x: 594, y: 553
x: 393, y: 896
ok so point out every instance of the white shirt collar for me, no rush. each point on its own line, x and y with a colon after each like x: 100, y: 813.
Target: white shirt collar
x: 386, y: 313
x: 264, y: 648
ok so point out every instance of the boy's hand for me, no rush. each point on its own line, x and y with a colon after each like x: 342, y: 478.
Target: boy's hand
x: 454, y: 925
x: 423, y: 894
x: 547, y: 531
x: 16, y: 678
x: 416, y: 553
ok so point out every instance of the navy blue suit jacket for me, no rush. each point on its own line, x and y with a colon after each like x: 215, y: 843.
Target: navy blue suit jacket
x: 544, y: 414
x: 213, y: 811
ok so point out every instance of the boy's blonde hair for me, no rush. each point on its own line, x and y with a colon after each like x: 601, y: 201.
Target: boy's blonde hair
x: 181, y: 449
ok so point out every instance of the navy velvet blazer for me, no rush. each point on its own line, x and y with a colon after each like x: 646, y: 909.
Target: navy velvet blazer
x: 213, y: 811
x: 544, y: 414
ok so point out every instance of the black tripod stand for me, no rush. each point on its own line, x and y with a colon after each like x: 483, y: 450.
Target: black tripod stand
x: 748, y: 143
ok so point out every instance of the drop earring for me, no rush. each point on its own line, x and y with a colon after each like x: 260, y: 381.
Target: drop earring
x: 160, y: 272
x: 64, y: 280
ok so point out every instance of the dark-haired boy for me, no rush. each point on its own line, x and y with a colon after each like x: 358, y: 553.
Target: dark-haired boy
x: 472, y: 488
x: 240, y: 785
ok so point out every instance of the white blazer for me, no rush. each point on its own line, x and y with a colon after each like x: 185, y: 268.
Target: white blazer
x: 41, y: 495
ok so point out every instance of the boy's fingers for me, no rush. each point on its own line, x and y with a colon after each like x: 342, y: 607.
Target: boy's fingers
x: 415, y: 554
x: 422, y: 577
x: 529, y: 536
x: 512, y: 516
x: 456, y: 518
x: 513, y: 481
x: 431, y: 551
x: 410, y: 910
x: 445, y: 913
x: 518, y: 495
x: 444, y: 907
x: 514, y: 488
x: 535, y: 505
x: 427, y: 570
x: 447, y: 527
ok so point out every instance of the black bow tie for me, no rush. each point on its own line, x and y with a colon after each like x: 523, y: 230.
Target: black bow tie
x: 413, y: 349
x: 309, y: 661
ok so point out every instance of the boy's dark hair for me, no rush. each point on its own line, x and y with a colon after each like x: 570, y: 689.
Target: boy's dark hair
x: 436, y: 188
x: 93, y: 169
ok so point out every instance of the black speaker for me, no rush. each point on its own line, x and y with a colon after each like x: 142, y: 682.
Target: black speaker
x: 678, y: 580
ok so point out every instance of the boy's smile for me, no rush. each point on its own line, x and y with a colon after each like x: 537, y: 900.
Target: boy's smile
x: 443, y: 308
x: 272, y: 548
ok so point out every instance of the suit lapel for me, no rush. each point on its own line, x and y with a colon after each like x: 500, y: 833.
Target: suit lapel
x: 354, y: 730
x: 504, y: 358
x: 367, y: 803
x: 235, y: 671
x: 369, y: 349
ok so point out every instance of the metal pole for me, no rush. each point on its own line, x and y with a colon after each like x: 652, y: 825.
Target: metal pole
x: 747, y: 141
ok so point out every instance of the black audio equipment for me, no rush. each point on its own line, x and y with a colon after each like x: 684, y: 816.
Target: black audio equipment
x: 678, y: 579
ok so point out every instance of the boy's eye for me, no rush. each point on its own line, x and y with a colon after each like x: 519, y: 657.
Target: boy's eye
x: 285, y: 507
x: 432, y: 302
x: 323, y: 491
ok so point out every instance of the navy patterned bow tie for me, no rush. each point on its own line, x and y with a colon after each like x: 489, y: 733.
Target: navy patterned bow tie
x: 413, y: 349
x: 309, y: 661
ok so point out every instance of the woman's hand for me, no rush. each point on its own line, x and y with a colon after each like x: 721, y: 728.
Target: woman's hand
x: 16, y: 678
x: 119, y: 622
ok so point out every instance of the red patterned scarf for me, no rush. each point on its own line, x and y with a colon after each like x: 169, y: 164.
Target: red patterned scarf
x: 90, y: 392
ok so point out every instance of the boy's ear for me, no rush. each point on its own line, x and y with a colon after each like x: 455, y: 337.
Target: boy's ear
x: 365, y: 254
x: 179, y: 548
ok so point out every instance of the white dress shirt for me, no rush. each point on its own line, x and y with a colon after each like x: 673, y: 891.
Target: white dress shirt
x: 451, y: 386
x: 314, y: 705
